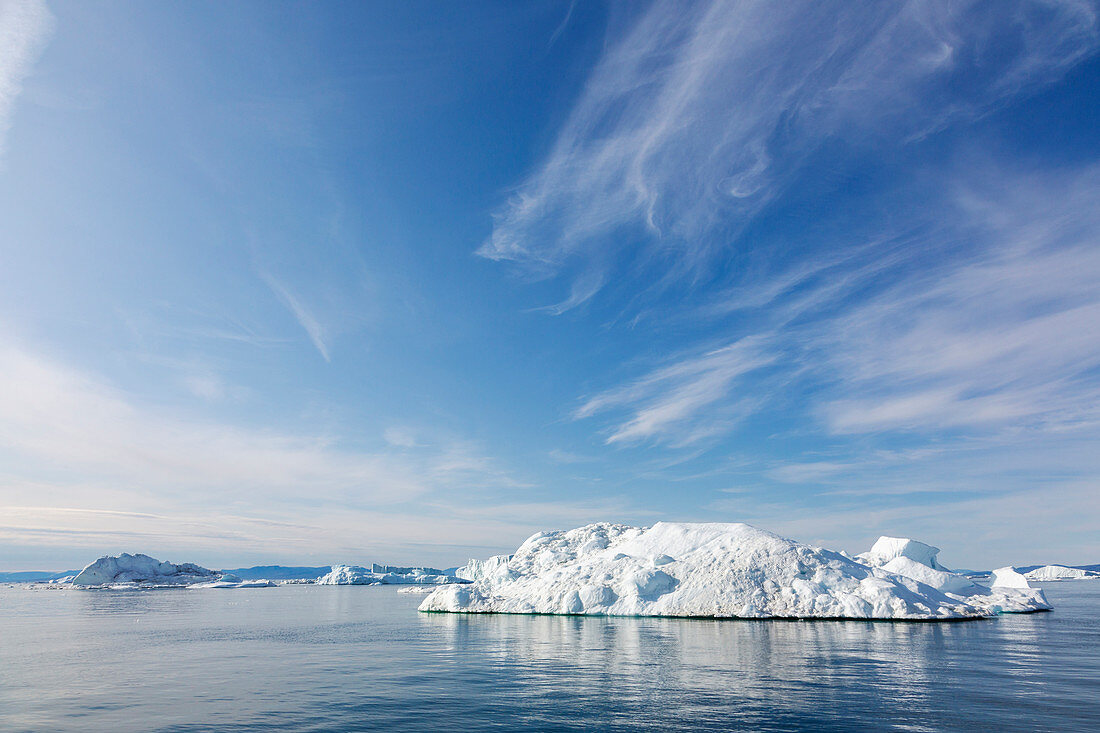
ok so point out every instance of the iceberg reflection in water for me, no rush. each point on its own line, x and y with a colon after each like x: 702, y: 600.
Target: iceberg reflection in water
x: 763, y: 675
x: 330, y: 658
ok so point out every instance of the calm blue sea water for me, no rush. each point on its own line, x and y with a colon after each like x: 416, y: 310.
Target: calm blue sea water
x: 313, y: 658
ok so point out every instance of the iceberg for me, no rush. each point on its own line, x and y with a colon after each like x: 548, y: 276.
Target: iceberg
x: 1007, y: 578
x: 126, y: 569
x: 1060, y: 572
x: 720, y: 571
x: 475, y: 570
x: 358, y: 575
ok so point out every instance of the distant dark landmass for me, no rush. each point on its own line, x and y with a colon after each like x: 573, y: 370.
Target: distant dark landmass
x: 279, y: 572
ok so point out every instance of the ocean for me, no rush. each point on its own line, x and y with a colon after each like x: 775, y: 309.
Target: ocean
x: 331, y: 658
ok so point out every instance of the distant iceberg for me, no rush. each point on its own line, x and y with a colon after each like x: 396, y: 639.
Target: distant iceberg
x: 1060, y: 572
x: 126, y: 569
x: 358, y: 575
x: 721, y: 571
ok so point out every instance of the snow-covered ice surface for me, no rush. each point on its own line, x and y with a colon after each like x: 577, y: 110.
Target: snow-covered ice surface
x: 1007, y: 578
x: 887, y: 549
x: 721, y: 570
x: 476, y: 570
x: 357, y: 575
x: 1060, y: 572
x: 1005, y: 593
x: 131, y: 570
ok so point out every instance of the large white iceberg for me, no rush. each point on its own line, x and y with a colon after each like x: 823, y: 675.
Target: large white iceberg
x: 357, y: 575
x: 720, y: 570
x: 126, y: 569
x: 1060, y: 572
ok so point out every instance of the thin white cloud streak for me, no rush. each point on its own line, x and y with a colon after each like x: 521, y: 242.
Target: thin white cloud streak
x: 306, y: 320
x: 25, y: 26
x: 667, y: 398
x: 561, y: 26
x: 698, y: 115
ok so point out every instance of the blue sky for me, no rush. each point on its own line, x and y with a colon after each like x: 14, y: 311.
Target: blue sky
x: 407, y: 282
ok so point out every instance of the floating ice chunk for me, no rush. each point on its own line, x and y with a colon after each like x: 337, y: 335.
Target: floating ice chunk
x: 716, y: 570
x: 140, y: 569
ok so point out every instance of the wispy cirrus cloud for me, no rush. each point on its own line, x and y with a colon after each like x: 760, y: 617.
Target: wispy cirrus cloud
x: 25, y: 25
x: 668, y: 401
x: 317, y: 333
x: 697, y: 116
x: 998, y: 335
x: 697, y: 119
x: 1004, y: 334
